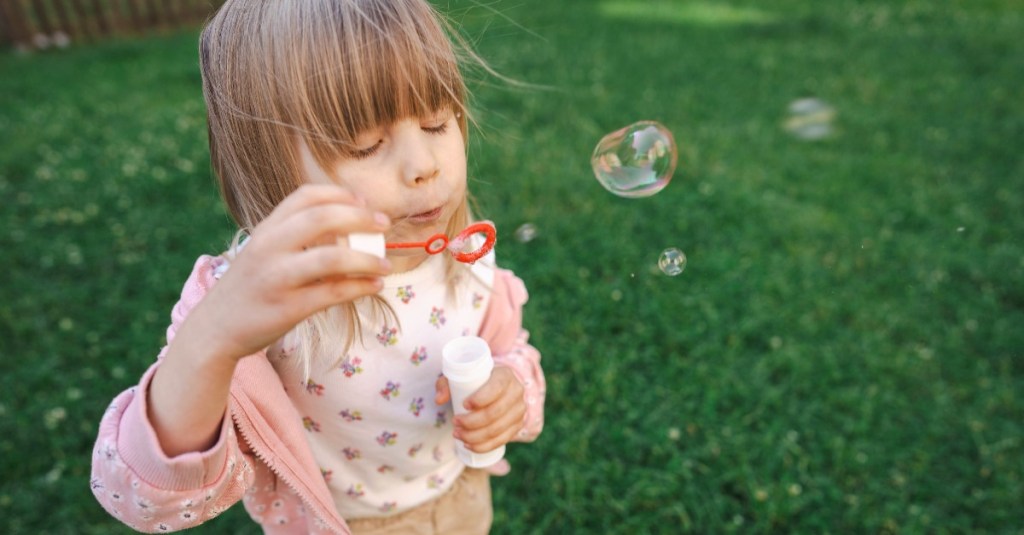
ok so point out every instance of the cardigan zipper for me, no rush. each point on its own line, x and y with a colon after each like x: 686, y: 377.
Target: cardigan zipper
x: 245, y: 432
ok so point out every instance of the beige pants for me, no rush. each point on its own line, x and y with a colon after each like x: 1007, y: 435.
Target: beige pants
x: 464, y: 510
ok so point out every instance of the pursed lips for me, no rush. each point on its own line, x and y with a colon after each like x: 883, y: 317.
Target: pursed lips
x: 427, y: 216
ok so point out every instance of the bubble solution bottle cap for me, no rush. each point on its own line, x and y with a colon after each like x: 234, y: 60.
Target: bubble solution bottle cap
x: 369, y: 243
x: 466, y: 362
x: 467, y: 358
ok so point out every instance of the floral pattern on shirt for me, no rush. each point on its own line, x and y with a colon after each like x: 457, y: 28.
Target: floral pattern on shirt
x: 313, y: 388
x: 390, y: 390
x: 310, y: 425
x: 388, y: 336
x: 418, y: 356
x: 387, y: 438
x: 416, y: 407
x: 437, y: 318
x: 352, y: 366
x: 405, y: 293
x: 351, y: 416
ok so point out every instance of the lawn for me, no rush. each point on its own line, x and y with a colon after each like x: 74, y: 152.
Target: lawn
x: 844, y: 352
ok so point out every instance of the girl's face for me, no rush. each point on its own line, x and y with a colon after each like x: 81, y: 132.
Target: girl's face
x: 413, y: 170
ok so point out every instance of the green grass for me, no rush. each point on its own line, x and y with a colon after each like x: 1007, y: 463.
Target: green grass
x: 844, y: 352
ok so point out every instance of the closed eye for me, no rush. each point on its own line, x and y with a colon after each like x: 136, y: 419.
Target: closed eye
x: 436, y: 130
x: 369, y: 151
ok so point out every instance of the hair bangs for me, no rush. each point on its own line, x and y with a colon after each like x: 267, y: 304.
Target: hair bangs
x: 388, y: 61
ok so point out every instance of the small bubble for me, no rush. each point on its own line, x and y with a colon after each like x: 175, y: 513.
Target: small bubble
x: 672, y: 261
x: 635, y: 161
x: 810, y: 119
x: 960, y: 229
x: 674, y: 433
x: 616, y: 295
x: 526, y: 233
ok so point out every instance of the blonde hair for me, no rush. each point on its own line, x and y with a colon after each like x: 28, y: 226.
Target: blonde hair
x: 323, y: 71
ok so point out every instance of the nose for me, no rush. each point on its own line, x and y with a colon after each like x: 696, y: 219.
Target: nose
x: 420, y: 165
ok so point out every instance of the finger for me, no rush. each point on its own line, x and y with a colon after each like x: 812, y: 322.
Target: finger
x: 309, y: 195
x: 333, y: 263
x: 312, y: 225
x: 501, y: 380
x: 443, y: 393
x: 318, y: 297
x: 511, y: 407
x: 492, y: 444
x: 492, y: 436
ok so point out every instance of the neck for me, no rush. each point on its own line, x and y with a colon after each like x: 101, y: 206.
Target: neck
x: 401, y: 263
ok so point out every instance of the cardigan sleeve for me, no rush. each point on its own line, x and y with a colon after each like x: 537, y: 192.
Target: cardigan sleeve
x: 136, y: 482
x: 502, y: 328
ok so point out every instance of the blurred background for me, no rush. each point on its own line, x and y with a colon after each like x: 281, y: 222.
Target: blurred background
x: 843, y: 353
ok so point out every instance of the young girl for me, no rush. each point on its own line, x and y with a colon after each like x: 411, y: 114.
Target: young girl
x: 302, y: 376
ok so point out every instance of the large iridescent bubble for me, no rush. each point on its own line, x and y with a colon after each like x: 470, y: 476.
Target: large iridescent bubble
x: 635, y: 161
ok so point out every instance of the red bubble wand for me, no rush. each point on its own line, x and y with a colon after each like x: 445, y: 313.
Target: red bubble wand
x: 439, y: 242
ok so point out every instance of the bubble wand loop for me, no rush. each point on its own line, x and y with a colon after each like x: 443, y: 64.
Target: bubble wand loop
x: 439, y: 242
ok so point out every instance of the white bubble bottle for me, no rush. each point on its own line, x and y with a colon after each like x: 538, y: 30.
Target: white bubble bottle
x: 466, y: 362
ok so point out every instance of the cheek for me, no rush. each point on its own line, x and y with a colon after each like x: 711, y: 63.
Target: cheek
x: 311, y: 170
x: 377, y: 199
x: 456, y: 163
x: 316, y: 175
x: 361, y: 182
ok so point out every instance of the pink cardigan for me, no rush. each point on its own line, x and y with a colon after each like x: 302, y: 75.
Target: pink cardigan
x: 261, y: 456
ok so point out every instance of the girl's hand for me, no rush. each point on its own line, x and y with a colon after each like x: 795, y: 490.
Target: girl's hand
x: 293, y: 266
x: 496, y: 411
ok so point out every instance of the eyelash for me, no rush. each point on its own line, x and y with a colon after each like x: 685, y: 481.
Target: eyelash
x: 366, y: 153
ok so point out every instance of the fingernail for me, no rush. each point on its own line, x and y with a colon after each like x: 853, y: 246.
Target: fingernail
x: 385, y: 264
x: 382, y: 219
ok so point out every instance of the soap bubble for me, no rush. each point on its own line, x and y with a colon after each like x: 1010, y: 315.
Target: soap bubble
x: 810, y: 119
x: 526, y: 233
x: 672, y: 261
x: 635, y: 161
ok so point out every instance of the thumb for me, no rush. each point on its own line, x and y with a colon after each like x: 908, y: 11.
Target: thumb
x: 443, y: 394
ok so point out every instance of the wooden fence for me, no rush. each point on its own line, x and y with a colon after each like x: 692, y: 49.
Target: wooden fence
x: 38, y: 24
